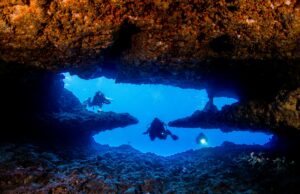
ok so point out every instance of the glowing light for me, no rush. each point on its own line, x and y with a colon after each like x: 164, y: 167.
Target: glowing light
x: 203, y: 141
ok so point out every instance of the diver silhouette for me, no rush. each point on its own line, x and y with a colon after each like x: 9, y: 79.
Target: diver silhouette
x: 157, y: 130
x: 98, y: 100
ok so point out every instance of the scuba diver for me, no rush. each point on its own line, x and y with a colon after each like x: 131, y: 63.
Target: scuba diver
x: 157, y: 130
x: 201, y: 139
x: 98, y: 100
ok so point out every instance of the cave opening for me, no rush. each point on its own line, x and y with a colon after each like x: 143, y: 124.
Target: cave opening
x: 147, y: 101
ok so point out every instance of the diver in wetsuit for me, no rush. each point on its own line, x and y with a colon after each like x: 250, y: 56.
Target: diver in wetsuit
x: 157, y: 130
x: 98, y: 100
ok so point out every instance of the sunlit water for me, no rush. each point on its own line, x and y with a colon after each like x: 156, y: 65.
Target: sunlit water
x: 165, y: 102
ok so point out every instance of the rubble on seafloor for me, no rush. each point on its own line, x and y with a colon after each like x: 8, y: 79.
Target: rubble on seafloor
x: 226, y: 169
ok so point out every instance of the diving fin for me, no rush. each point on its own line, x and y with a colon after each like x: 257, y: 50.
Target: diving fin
x: 174, y: 137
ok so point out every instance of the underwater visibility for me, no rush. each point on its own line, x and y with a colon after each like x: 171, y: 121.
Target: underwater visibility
x: 146, y: 102
x: 150, y: 96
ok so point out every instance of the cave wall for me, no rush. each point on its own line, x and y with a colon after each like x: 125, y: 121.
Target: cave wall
x: 36, y: 107
x: 243, y: 47
x: 281, y: 116
x: 55, y: 34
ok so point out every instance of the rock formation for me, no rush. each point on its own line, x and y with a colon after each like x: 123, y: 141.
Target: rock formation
x: 55, y: 34
x: 281, y: 116
x: 244, y: 169
x: 190, y: 43
x: 36, y: 107
x: 246, y: 49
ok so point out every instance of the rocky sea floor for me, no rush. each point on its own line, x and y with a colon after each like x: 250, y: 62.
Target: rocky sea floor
x: 101, y: 169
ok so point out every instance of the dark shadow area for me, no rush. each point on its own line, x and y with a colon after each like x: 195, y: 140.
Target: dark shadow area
x: 59, y: 155
x: 112, y: 55
x: 285, y: 144
x: 108, y: 62
x: 243, y: 79
x: 251, y: 79
x: 257, y: 79
x: 244, y: 49
x: 35, y: 107
x: 280, y: 116
x: 222, y: 44
x: 226, y: 169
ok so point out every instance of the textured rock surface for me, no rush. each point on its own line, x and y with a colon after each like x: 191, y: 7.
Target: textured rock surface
x: 228, y: 169
x: 73, y: 123
x: 282, y: 114
x: 248, y: 49
x: 36, y: 106
x: 186, y: 43
x: 52, y: 33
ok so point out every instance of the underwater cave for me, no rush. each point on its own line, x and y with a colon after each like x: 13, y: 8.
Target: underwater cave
x: 147, y: 101
x: 150, y: 96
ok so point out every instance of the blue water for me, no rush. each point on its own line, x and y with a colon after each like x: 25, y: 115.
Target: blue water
x: 165, y: 102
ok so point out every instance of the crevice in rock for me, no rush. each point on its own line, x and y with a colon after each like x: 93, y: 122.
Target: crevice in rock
x: 232, y: 8
x: 122, y: 42
x: 222, y: 43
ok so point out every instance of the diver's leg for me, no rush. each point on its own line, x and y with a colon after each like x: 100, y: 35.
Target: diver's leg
x: 152, y: 137
x: 174, y: 137
x: 168, y: 132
